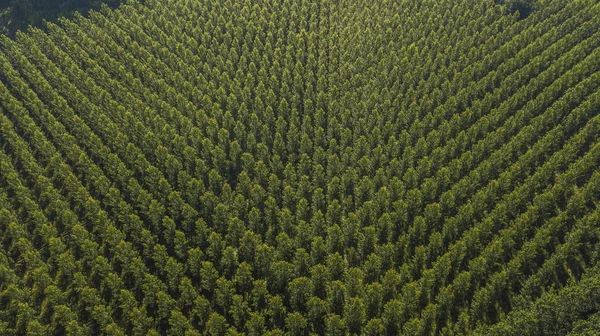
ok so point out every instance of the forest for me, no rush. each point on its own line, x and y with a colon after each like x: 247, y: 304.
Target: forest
x: 302, y: 167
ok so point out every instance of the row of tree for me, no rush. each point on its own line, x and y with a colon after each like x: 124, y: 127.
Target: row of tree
x: 300, y: 167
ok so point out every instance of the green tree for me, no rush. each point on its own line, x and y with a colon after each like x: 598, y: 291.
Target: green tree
x: 216, y: 325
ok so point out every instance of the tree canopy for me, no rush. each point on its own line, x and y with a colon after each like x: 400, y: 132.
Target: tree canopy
x: 302, y: 167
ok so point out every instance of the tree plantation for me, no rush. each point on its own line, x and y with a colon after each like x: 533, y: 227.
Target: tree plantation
x: 303, y: 167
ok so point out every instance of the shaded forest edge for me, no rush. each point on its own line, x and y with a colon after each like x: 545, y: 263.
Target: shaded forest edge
x: 17, y: 15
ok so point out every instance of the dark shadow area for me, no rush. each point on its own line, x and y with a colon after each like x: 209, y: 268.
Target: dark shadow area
x: 17, y: 15
x: 524, y: 7
x: 524, y: 10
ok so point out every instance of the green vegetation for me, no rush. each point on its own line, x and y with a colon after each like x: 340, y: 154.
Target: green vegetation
x: 303, y: 167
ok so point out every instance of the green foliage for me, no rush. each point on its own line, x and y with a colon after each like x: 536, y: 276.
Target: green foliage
x: 187, y: 167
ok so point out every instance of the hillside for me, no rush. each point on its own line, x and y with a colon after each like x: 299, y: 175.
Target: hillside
x: 303, y: 167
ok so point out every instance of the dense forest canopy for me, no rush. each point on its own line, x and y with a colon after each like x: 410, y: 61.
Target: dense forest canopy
x: 303, y: 167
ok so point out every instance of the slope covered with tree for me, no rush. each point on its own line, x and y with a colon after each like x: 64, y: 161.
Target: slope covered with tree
x: 297, y: 167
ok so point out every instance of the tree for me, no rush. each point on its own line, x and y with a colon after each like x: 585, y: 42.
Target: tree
x: 216, y: 325
x: 276, y: 311
x: 354, y: 314
x: 224, y: 292
x: 208, y: 276
x: 295, y: 324
x: 374, y: 327
x: 335, y: 325
x: 255, y: 324
x: 239, y: 311
x: 178, y: 323
x: 335, y: 266
x: 316, y: 312
x: 300, y: 290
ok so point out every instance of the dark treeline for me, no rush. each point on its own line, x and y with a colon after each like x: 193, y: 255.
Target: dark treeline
x: 19, y: 14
